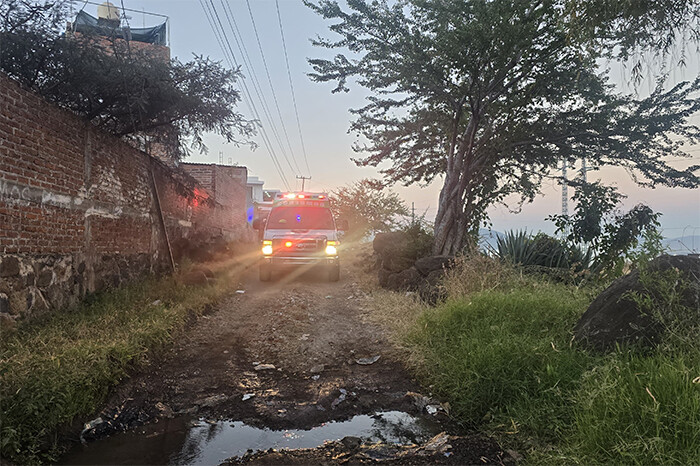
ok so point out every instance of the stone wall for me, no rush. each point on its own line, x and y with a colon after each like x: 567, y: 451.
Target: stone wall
x: 79, y: 207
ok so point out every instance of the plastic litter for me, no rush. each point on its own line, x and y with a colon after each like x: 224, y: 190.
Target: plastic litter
x: 340, y: 399
x: 88, y: 426
x: 248, y: 396
x: 368, y: 361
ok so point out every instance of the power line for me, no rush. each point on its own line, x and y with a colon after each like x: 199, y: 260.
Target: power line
x: 238, y: 37
x: 272, y: 88
x: 269, y: 80
x: 231, y: 58
x: 251, y: 103
x: 291, y: 86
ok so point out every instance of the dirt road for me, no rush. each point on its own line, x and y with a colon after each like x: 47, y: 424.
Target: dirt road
x: 293, y: 353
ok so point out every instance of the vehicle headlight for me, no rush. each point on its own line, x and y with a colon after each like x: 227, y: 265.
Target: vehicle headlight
x: 267, y: 248
x: 331, y: 248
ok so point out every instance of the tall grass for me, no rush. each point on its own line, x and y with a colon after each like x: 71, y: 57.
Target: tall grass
x: 499, y: 350
x: 501, y: 356
x: 64, y: 365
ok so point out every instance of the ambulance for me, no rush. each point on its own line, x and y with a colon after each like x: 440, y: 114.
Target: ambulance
x: 299, y: 231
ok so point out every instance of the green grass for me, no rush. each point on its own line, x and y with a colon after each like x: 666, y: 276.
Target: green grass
x: 503, y: 360
x: 64, y: 365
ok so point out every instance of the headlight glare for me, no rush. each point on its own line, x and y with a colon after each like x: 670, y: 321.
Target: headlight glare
x: 331, y: 250
x: 267, y: 249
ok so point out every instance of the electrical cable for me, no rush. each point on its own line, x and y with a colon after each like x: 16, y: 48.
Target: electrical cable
x: 230, y: 56
x: 272, y: 88
x: 238, y: 37
x: 291, y: 86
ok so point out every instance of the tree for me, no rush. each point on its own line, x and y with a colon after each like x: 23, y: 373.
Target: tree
x: 367, y: 207
x: 126, y: 90
x: 612, y: 236
x: 492, y: 95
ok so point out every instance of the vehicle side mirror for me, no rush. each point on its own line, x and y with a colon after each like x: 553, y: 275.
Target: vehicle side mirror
x: 256, y: 224
x: 343, y: 225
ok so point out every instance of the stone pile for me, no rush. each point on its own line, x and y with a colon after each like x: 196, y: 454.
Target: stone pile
x: 400, y: 270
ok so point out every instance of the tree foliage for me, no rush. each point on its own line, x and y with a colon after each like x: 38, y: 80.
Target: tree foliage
x: 130, y: 91
x: 492, y: 95
x: 613, y: 236
x: 367, y: 207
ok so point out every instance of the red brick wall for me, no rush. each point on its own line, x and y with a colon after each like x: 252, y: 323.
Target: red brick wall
x: 227, y: 185
x: 78, y: 208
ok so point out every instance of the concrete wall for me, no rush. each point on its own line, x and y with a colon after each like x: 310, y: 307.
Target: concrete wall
x: 79, y: 211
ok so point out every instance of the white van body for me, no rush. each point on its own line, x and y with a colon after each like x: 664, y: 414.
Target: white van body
x: 300, y: 232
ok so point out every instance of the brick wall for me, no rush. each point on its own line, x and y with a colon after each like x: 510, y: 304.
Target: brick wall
x: 226, y: 184
x: 79, y: 210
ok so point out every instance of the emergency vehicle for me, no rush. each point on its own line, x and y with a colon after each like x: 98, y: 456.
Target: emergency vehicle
x: 299, y: 231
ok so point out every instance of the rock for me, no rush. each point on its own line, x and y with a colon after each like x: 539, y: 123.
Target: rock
x: 7, y: 322
x: 164, y: 410
x: 194, y: 278
x: 406, y: 280
x: 4, y: 304
x: 351, y: 443
x: 613, y: 317
x: 265, y: 367
x: 211, y: 401
x: 247, y: 396
x: 317, y: 369
x: 429, y: 264
x: 9, y: 267
x: 439, y: 443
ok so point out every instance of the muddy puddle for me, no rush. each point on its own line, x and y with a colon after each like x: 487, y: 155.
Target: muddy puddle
x: 198, y: 441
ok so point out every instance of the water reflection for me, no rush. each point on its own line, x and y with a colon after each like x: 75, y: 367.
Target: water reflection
x: 183, y: 441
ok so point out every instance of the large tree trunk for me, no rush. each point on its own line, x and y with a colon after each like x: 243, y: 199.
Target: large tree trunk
x: 450, y: 221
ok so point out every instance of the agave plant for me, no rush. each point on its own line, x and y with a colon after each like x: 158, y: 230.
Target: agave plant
x: 521, y: 248
x: 517, y: 248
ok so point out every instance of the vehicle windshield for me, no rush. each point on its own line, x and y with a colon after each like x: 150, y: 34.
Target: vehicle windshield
x: 300, y: 218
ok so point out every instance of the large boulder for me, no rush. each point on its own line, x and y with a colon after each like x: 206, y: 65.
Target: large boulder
x: 406, y: 280
x: 614, y: 317
x: 427, y: 265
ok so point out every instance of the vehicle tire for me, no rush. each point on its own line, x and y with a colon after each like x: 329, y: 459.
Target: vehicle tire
x: 265, y: 273
x: 333, y: 273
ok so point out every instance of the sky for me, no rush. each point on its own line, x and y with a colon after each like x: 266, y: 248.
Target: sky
x: 325, y: 119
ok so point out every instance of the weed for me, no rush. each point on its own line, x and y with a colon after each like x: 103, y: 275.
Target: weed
x: 499, y: 350
x: 64, y: 365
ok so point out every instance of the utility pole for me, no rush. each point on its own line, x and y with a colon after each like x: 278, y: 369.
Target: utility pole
x: 564, y: 196
x: 564, y: 191
x: 303, y: 180
x: 413, y: 213
x: 584, y: 169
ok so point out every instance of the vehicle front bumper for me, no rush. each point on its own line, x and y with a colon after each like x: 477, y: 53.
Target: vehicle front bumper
x: 295, y: 261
